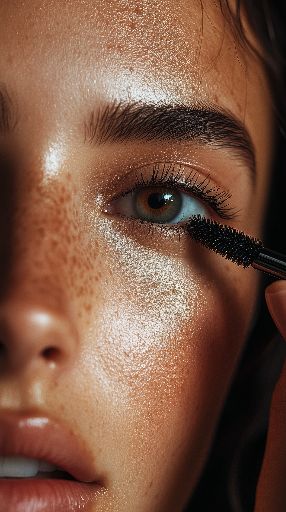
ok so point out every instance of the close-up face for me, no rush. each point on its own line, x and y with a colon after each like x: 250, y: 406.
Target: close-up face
x: 120, y: 120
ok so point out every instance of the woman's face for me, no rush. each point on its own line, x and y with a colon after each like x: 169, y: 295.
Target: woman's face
x: 127, y: 331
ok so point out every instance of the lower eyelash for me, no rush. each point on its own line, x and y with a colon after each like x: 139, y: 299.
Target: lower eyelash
x: 169, y: 175
x: 169, y: 231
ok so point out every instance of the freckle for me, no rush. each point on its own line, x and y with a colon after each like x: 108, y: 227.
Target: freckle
x: 66, y: 196
x: 64, y: 258
x: 41, y: 232
x: 95, y: 278
x: 76, y: 237
x: 74, y: 260
x: 87, y: 308
x: 138, y: 10
x: 10, y: 60
x: 132, y: 25
x: 115, y: 47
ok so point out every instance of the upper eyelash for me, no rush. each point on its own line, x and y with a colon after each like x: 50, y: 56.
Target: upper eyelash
x: 200, y: 187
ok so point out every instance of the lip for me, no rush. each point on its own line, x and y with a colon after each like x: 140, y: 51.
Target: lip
x: 40, y: 437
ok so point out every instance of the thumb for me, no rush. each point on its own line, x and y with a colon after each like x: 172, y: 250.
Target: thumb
x: 275, y: 296
x: 271, y: 489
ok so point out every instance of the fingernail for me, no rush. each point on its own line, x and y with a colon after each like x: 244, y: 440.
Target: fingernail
x: 276, y: 302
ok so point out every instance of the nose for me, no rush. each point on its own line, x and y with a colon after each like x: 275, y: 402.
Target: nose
x: 33, y: 337
x: 38, y: 320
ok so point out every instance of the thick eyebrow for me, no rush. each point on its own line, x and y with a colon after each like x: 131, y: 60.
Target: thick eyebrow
x: 121, y: 122
x: 206, y: 125
x: 8, y: 116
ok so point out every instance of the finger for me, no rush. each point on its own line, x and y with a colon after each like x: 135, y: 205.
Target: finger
x: 271, y: 489
x: 276, y: 301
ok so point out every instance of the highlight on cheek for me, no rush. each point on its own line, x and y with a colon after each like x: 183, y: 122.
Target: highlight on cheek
x: 164, y: 292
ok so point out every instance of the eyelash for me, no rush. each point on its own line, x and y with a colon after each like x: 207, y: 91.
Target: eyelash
x: 201, y: 188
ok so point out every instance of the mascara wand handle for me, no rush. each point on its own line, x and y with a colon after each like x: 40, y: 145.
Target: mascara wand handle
x: 271, y: 262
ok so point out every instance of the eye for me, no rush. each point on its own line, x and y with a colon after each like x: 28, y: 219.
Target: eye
x: 162, y: 205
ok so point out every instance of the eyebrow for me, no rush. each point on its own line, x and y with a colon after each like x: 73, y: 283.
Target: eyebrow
x: 203, y: 124
x: 121, y: 122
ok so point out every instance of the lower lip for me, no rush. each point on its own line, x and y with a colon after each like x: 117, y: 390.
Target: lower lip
x: 45, y: 495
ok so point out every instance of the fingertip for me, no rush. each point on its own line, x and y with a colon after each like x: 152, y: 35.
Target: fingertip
x: 275, y: 295
x: 276, y: 287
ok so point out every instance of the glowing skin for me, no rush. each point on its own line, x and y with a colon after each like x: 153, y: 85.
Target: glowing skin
x: 146, y: 328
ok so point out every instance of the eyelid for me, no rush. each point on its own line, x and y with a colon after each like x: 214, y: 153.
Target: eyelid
x: 173, y: 174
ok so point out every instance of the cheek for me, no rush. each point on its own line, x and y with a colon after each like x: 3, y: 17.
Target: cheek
x: 162, y: 345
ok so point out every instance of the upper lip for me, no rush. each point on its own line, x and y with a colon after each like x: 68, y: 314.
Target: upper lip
x: 40, y: 437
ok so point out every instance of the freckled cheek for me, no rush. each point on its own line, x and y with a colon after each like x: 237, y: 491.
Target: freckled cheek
x: 165, y: 348
x: 153, y: 344
x: 157, y: 358
x: 155, y: 328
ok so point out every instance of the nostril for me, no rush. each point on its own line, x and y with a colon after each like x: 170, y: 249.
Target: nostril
x: 3, y: 350
x: 51, y: 354
x: 34, y: 337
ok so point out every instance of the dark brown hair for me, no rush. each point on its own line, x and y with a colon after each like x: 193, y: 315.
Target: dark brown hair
x: 230, y: 476
x: 267, y: 21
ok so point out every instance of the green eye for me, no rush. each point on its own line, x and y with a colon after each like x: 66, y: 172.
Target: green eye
x: 157, y: 203
x: 162, y: 205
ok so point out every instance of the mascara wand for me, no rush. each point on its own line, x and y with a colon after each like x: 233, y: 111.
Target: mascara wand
x: 236, y: 246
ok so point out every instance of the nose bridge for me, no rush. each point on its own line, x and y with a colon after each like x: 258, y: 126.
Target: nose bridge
x: 35, y: 225
x: 36, y: 325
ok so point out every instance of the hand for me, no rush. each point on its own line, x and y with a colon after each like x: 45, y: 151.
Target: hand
x: 271, y: 489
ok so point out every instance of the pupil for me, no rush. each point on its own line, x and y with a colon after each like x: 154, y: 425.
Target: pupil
x: 157, y: 200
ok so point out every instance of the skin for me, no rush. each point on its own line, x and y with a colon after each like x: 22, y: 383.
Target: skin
x: 271, y: 486
x: 146, y: 329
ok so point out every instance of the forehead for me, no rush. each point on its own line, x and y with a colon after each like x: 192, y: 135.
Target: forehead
x: 60, y: 59
x: 167, y: 50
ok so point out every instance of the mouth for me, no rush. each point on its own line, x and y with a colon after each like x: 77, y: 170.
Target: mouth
x: 44, y: 467
x: 43, y: 494
x: 24, y: 467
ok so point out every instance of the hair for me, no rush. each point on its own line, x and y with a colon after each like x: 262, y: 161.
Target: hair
x: 267, y: 19
x: 230, y: 476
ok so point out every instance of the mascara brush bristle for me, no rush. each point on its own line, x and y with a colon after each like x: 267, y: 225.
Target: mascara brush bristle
x: 230, y: 243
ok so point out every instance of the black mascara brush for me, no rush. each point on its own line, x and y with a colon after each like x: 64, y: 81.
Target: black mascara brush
x: 236, y: 246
